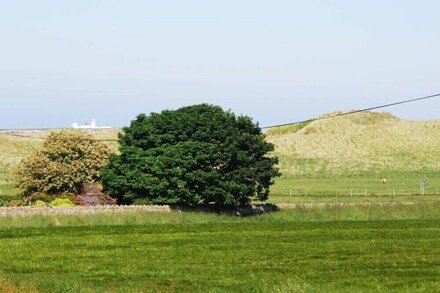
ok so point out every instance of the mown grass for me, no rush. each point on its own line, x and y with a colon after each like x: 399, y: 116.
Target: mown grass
x: 343, y: 249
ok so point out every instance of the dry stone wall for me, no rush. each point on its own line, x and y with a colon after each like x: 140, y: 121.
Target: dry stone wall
x: 31, y: 211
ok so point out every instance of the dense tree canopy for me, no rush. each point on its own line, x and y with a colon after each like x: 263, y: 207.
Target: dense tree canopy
x: 66, y: 161
x: 196, y: 155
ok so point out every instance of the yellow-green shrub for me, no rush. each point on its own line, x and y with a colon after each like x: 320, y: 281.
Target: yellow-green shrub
x: 66, y: 161
x: 61, y: 202
x: 39, y: 204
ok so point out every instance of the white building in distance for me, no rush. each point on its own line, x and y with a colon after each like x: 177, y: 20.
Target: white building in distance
x: 92, y: 125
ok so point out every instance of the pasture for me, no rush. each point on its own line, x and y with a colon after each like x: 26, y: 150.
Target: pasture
x: 333, y: 249
x: 366, y: 188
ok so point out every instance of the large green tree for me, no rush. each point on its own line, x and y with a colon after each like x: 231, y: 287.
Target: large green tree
x: 66, y: 160
x: 196, y: 155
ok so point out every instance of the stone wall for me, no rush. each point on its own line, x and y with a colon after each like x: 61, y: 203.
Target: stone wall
x: 80, y: 210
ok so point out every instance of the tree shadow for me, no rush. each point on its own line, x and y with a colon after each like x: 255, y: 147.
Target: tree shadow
x: 247, y: 211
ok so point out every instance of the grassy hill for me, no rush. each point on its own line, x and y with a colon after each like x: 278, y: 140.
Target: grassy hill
x: 362, y: 143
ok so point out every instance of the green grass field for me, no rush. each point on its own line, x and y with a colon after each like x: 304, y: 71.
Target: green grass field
x: 345, y: 249
x: 368, y: 184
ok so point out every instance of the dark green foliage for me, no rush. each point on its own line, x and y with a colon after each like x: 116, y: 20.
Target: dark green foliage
x: 4, y: 202
x: 195, y: 155
x: 40, y: 196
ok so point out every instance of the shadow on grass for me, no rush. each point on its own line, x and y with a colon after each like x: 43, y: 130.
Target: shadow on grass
x: 248, y: 211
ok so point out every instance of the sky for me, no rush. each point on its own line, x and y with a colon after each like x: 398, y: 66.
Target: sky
x: 276, y: 61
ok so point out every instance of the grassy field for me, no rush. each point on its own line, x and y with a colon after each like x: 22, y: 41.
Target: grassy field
x: 357, y: 186
x: 346, y: 249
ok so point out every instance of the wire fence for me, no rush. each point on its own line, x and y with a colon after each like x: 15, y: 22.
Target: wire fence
x: 356, y: 191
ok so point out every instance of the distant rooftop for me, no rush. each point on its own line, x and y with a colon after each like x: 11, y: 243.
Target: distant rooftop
x: 91, y: 125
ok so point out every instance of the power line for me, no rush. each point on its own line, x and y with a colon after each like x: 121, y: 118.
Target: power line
x: 43, y: 138
x: 34, y: 129
x: 354, y: 112
x: 22, y: 136
x: 5, y: 131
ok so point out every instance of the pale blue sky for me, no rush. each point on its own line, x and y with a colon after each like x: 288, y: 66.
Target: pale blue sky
x: 277, y: 61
